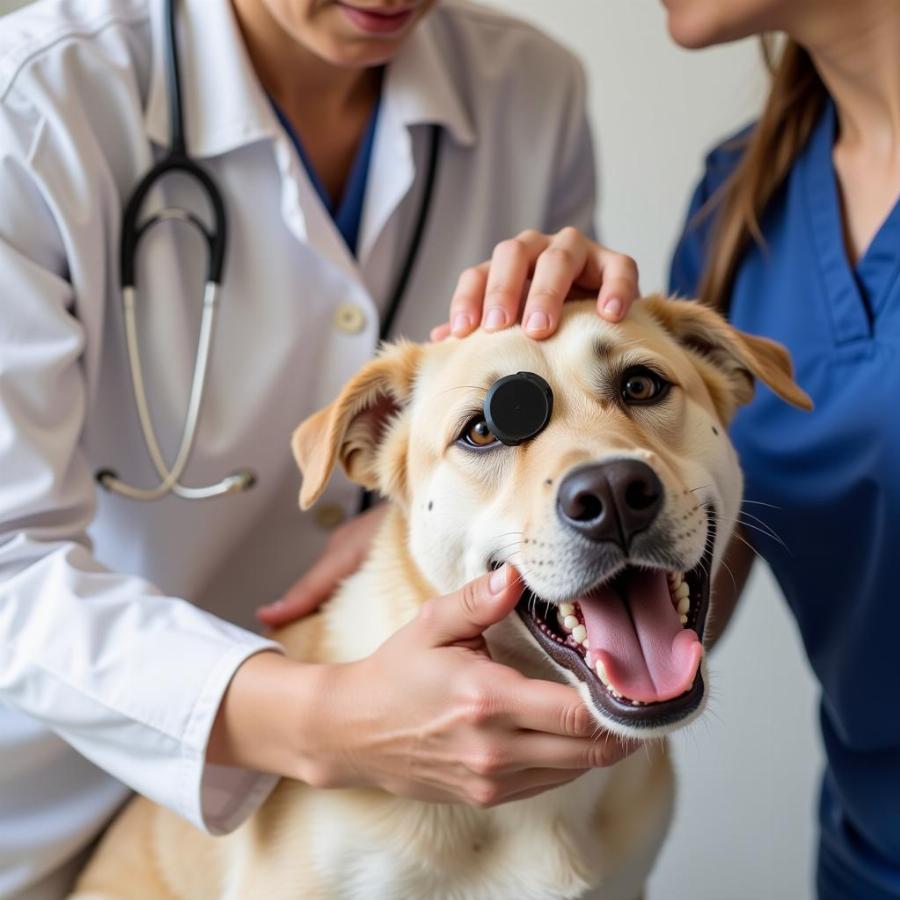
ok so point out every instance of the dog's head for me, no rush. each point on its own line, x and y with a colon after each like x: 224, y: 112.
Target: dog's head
x: 616, y: 513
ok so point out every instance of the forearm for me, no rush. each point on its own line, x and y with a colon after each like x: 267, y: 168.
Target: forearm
x: 268, y: 717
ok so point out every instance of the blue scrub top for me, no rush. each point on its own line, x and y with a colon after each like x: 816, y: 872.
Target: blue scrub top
x: 833, y: 477
x: 347, y: 212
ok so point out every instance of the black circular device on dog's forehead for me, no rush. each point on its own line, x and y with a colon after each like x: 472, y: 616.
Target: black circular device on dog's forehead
x: 517, y: 407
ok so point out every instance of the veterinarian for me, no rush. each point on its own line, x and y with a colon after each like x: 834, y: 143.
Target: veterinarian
x: 794, y: 229
x: 340, y: 137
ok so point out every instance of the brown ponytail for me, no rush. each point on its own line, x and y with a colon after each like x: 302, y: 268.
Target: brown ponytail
x: 795, y: 101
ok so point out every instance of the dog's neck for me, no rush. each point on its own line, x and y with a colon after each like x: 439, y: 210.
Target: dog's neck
x: 392, y: 558
x: 386, y: 593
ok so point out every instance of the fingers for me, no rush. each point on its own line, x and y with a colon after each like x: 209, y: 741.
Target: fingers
x: 535, y: 705
x: 558, y: 267
x: 510, y: 267
x: 502, y: 777
x: 343, y: 555
x: 467, y: 613
x: 468, y: 299
x: 619, y: 288
x: 550, y: 779
x: 544, y: 751
x: 310, y: 592
x: 501, y: 758
x: 439, y: 332
x: 486, y: 793
x: 491, y: 294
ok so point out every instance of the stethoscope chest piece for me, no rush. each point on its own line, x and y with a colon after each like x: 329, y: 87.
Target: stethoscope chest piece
x: 518, y: 407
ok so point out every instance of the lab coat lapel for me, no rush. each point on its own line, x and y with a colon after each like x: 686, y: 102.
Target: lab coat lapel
x: 225, y: 106
x: 303, y: 212
x: 419, y: 89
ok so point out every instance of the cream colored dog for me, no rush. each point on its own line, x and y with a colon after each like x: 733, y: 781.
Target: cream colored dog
x: 616, y: 514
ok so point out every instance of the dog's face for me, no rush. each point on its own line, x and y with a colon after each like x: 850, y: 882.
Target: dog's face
x: 616, y: 513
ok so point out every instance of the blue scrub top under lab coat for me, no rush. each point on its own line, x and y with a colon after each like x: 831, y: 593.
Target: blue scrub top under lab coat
x: 347, y: 212
x: 833, y: 479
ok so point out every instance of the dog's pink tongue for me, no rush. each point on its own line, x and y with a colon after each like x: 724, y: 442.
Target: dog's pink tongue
x: 647, y: 654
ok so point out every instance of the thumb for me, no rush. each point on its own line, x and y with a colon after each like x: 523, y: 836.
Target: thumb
x: 468, y: 612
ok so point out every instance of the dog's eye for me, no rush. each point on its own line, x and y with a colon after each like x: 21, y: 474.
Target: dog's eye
x: 477, y: 434
x: 641, y: 385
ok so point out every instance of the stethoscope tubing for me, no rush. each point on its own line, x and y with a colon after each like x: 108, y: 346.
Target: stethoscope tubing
x: 133, y: 230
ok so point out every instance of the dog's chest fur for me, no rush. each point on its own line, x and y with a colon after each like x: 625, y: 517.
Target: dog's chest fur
x: 595, y: 837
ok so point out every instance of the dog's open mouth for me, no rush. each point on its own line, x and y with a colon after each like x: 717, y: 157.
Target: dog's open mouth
x: 635, y: 640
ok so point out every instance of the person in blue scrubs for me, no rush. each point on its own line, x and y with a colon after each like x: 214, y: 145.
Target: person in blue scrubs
x: 819, y: 174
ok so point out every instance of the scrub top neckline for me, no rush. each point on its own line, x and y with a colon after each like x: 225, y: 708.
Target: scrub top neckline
x: 347, y: 212
x: 856, y: 294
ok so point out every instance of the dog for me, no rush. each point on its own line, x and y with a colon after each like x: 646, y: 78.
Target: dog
x: 616, y: 512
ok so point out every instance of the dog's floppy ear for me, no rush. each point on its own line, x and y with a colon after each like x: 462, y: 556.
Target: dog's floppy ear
x: 740, y: 356
x: 353, y: 427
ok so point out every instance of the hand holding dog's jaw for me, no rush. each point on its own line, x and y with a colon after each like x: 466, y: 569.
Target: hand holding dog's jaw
x: 429, y: 715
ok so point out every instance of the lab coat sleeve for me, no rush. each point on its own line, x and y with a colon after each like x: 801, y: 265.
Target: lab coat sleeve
x: 131, y: 678
x: 573, y: 197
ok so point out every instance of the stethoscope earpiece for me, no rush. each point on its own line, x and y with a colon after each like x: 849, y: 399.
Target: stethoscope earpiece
x: 518, y: 407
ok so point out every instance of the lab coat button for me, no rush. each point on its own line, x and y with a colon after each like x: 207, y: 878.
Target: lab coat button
x: 330, y: 515
x: 349, y: 318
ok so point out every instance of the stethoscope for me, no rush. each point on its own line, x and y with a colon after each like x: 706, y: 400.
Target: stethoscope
x: 177, y: 159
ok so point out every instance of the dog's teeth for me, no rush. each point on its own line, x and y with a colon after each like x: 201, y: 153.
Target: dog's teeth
x: 683, y: 590
x: 579, y: 632
x: 683, y: 619
x: 601, y: 672
x: 567, y: 608
x: 584, y: 643
x: 684, y: 606
x: 570, y: 622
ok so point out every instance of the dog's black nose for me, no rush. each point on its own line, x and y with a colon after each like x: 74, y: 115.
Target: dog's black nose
x: 610, y: 501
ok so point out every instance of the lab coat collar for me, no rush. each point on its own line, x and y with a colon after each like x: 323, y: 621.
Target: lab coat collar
x: 419, y: 88
x: 225, y: 106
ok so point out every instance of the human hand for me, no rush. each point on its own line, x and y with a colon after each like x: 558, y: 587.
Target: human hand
x: 344, y: 553
x: 497, y: 293
x: 429, y: 714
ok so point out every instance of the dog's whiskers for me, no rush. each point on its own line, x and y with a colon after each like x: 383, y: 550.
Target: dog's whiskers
x: 748, y: 545
x: 765, y: 530
x: 465, y: 387
x: 761, y: 503
x: 507, y: 546
x: 743, y: 517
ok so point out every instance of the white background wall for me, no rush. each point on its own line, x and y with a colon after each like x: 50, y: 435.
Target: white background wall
x: 748, y: 770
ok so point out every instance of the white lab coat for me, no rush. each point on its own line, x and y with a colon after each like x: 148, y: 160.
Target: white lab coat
x: 122, y: 622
